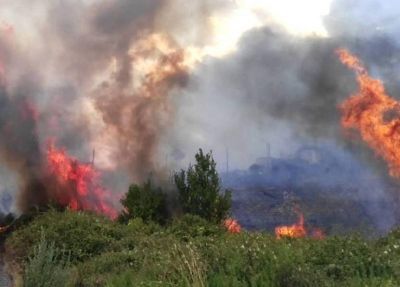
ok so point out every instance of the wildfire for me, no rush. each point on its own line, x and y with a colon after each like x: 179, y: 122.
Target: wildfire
x: 77, y: 184
x: 298, y: 230
x: 373, y: 113
x: 232, y: 225
x: 135, y: 111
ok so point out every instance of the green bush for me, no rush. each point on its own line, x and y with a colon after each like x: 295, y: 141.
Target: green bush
x: 138, y: 226
x: 195, y: 252
x: 97, y: 270
x: 180, y: 265
x: 47, y: 267
x: 200, y: 191
x: 145, y: 202
x: 83, y: 234
x: 190, y: 226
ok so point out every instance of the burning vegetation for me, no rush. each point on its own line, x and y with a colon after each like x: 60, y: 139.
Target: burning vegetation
x: 77, y: 185
x: 135, y: 108
x: 232, y: 225
x: 298, y: 230
x: 373, y: 113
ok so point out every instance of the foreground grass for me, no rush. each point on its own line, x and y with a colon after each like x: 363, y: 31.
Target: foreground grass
x: 192, y: 252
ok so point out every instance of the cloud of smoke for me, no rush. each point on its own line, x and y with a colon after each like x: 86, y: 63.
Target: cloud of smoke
x: 115, y: 77
x: 90, y: 76
x: 285, y: 90
x: 281, y: 88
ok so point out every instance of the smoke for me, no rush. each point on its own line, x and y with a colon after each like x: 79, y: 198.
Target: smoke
x: 98, y: 80
x: 89, y: 76
x: 137, y: 83
x: 281, y: 88
x: 284, y: 89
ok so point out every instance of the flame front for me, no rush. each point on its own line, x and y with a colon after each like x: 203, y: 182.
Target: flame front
x: 373, y: 113
x: 77, y: 184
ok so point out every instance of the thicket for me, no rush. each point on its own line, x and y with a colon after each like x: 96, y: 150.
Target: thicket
x: 194, y: 252
x: 47, y: 267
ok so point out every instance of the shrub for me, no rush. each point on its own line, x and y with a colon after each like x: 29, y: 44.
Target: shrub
x: 47, y: 267
x: 200, y: 190
x: 84, y: 234
x: 138, y: 226
x: 145, y: 202
x: 190, y: 226
x: 98, y: 270
x: 178, y: 264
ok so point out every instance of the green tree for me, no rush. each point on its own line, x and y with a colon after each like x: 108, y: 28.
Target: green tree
x: 146, y: 202
x: 200, y: 191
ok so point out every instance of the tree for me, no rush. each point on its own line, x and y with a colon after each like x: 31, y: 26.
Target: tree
x: 200, y: 189
x: 146, y: 202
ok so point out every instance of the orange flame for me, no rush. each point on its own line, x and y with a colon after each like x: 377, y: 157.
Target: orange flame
x: 232, y: 225
x: 297, y: 230
x: 78, y: 183
x: 373, y: 113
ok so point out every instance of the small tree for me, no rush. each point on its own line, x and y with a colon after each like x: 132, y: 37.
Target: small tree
x: 200, y: 189
x: 146, y: 202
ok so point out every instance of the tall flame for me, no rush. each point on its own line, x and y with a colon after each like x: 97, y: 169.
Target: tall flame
x: 77, y: 184
x: 373, y: 113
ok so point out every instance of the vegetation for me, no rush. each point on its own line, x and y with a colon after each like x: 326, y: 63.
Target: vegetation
x: 193, y: 252
x: 145, y: 202
x: 47, y: 267
x: 65, y: 248
x: 200, y: 190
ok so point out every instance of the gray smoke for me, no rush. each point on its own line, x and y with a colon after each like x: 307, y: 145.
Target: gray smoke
x: 70, y: 70
x: 284, y: 89
x: 56, y: 83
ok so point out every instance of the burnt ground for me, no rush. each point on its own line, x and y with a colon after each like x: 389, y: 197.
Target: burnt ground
x: 335, y: 212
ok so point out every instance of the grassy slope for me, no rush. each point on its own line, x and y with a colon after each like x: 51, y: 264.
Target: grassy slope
x: 191, y: 252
